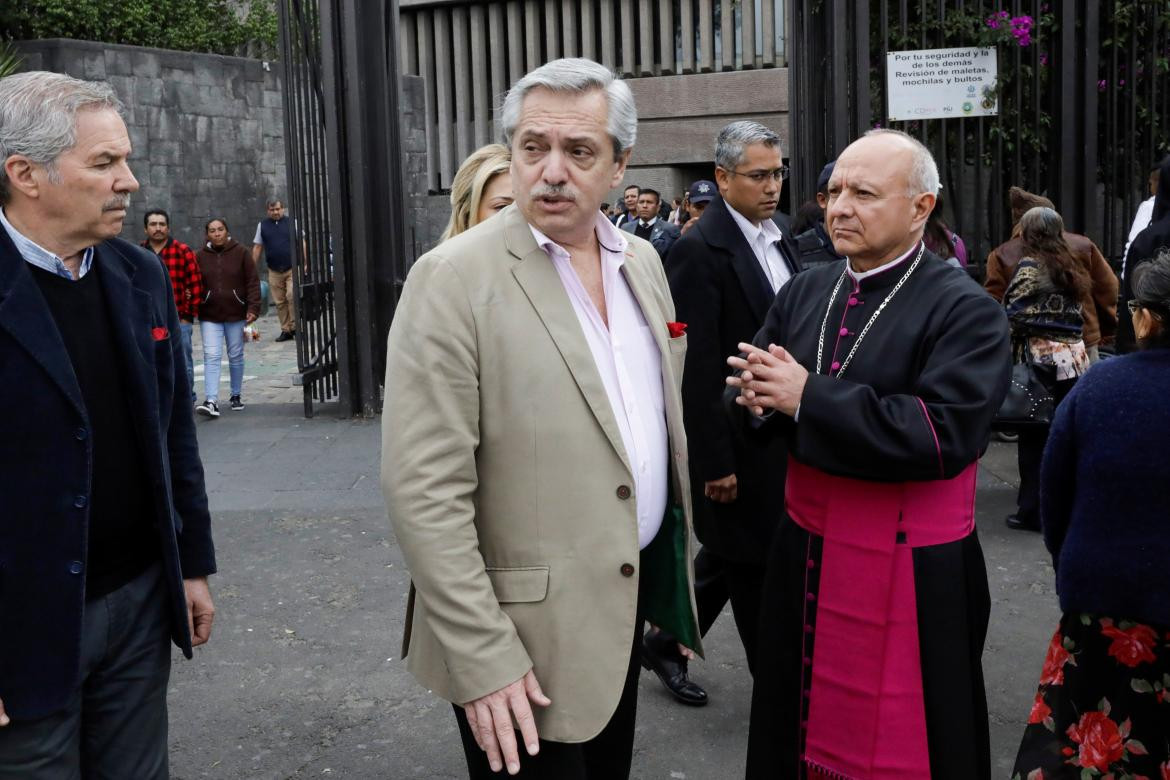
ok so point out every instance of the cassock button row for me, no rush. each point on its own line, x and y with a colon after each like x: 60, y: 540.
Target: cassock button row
x: 843, y: 332
x: 807, y: 661
x: 852, y: 301
x: 623, y: 492
x: 808, y: 629
x: 80, y: 434
x: 811, y: 563
x: 75, y: 567
x: 810, y: 597
x: 627, y: 570
x: 836, y: 366
x: 80, y: 502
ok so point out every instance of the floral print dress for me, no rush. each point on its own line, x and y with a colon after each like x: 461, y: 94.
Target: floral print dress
x: 1103, y: 707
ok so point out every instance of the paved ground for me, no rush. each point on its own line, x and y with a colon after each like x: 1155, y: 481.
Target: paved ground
x: 303, y: 678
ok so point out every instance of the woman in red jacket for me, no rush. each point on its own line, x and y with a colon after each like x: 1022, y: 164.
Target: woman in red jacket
x: 231, y: 301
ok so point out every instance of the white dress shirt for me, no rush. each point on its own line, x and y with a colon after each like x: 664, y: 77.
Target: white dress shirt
x: 1141, y: 221
x: 763, y: 240
x: 630, y: 365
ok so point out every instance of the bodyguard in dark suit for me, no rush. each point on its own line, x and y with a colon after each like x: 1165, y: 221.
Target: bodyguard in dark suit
x: 105, y: 538
x: 723, y: 276
x: 650, y: 226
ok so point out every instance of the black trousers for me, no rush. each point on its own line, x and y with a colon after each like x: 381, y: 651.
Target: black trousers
x: 608, y: 756
x: 1029, y: 453
x: 115, y: 723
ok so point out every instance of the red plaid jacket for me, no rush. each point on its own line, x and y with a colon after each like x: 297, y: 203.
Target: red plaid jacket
x: 186, y: 279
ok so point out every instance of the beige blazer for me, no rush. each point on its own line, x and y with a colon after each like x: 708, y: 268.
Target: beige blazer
x: 508, y: 486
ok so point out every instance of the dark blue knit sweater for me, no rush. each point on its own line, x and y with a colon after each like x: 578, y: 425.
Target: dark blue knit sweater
x: 1105, y: 490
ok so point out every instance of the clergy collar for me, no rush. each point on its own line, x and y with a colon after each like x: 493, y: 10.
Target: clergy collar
x: 875, y: 276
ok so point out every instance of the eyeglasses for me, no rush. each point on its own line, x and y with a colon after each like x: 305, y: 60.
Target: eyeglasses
x: 759, y: 177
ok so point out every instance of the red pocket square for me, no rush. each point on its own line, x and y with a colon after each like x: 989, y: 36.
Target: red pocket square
x: 676, y: 329
x: 159, y: 334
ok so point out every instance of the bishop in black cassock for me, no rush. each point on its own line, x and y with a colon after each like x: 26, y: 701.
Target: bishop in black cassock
x: 884, y: 372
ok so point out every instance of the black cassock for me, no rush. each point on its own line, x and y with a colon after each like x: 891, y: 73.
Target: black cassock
x: 914, y: 403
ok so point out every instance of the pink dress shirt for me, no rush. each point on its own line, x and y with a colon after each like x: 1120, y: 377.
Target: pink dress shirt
x: 630, y: 365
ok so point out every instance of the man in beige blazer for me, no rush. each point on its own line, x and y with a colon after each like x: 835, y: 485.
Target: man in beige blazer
x: 533, y: 455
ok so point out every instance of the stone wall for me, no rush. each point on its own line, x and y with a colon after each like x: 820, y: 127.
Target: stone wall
x: 679, y: 117
x: 207, y: 130
x: 426, y: 213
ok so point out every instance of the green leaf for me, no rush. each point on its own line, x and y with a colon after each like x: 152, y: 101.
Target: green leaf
x: 1086, y: 620
x: 1136, y: 748
x: 1141, y: 686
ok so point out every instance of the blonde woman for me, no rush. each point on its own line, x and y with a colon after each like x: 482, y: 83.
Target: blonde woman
x: 482, y: 186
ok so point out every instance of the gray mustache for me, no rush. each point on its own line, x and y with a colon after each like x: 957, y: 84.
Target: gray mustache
x: 554, y: 191
x: 117, y: 202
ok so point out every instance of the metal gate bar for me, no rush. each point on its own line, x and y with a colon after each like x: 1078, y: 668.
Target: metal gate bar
x: 345, y: 170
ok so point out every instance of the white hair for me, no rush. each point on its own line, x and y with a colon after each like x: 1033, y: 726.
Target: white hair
x: 736, y: 137
x: 38, y: 117
x: 577, y: 75
x: 923, y: 176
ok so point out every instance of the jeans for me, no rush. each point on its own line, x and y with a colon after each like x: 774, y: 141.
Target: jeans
x: 214, y: 334
x: 185, y: 329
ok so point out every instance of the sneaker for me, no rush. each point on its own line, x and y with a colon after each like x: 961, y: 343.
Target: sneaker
x: 208, y: 408
x: 285, y: 335
x: 237, y: 404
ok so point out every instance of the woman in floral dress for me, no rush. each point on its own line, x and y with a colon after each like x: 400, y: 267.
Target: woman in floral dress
x: 1103, y: 706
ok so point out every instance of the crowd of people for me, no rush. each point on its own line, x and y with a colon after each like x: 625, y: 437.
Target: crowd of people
x: 570, y: 397
x: 790, y: 494
x: 220, y: 286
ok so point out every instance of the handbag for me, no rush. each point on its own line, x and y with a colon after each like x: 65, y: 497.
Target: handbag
x: 1029, y: 399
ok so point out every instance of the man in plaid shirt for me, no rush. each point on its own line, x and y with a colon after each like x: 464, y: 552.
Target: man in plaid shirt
x: 186, y: 278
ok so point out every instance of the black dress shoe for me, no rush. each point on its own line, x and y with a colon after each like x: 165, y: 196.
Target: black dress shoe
x: 671, y: 668
x: 285, y: 335
x: 1014, y: 522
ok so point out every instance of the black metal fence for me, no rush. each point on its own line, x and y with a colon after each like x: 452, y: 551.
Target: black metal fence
x: 1083, y: 106
x: 304, y: 120
x: 345, y: 165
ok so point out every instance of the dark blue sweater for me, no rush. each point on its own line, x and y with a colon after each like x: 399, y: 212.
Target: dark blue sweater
x: 1105, y: 490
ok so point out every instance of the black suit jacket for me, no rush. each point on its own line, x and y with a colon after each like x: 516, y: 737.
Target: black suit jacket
x: 722, y: 294
x: 46, y: 459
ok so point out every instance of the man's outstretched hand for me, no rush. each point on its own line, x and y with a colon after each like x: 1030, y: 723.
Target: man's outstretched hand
x: 4, y: 719
x: 490, y: 718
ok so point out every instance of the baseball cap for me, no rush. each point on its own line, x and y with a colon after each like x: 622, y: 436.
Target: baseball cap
x: 826, y: 174
x: 702, y: 191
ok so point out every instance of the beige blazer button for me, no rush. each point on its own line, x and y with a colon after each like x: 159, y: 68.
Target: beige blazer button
x: 627, y: 570
x: 623, y: 492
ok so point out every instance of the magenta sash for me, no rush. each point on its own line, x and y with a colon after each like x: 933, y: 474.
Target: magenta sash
x: 867, y: 719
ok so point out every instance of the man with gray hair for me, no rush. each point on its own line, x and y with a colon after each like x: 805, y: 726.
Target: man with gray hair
x: 533, y: 452
x: 723, y: 275
x: 105, y: 537
x: 882, y: 372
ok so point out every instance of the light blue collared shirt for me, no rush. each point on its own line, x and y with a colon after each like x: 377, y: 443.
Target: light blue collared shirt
x: 42, y: 258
